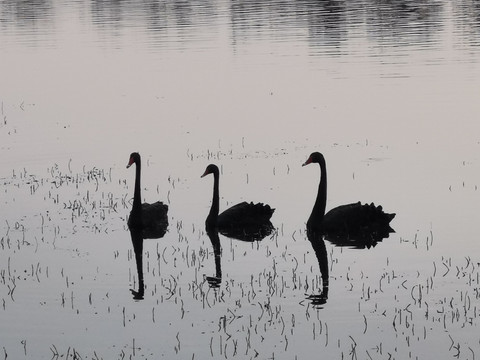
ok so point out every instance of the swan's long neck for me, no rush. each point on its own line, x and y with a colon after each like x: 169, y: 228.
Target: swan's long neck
x: 316, y: 217
x: 213, y: 214
x: 137, y: 199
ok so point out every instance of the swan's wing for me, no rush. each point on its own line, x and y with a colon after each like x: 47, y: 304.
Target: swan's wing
x: 356, y: 214
x: 246, y: 221
x: 154, y: 220
x: 158, y: 208
x: 246, y: 213
x: 357, y: 225
x: 343, y: 211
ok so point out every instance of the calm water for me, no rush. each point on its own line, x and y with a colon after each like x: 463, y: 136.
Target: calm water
x: 387, y: 90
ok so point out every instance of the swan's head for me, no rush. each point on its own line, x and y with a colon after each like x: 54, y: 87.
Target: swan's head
x: 315, y: 157
x: 134, y: 158
x: 211, y: 169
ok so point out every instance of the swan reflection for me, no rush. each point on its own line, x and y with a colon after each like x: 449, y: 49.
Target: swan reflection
x: 247, y: 234
x: 365, y: 240
x: 250, y: 233
x: 138, y: 236
x: 318, y: 245
x: 137, y: 242
x: 215, y: 281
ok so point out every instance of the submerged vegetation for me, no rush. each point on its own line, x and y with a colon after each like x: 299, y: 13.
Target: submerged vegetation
x: 69, y: 263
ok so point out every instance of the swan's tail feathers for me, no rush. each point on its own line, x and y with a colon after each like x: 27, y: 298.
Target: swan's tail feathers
x: 390, y: 216
x: 377, y: 211
x: 247, y: 213
x: 263, y: 209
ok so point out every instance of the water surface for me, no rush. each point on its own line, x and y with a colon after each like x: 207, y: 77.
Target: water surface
x: 388, y: 91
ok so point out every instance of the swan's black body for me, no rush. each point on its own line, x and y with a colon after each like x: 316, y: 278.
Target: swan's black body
x: 244, y: 221
x: 346, y: 223
x: 152, y: 219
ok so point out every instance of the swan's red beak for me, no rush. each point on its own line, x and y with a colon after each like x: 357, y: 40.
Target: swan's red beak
x: 130, y: 162
x: 309, y: 161
x: 205, y: 173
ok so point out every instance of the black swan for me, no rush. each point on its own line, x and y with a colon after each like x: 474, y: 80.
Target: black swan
x: 363, y: 223
x: 244, y: 221
x: 152, y: 219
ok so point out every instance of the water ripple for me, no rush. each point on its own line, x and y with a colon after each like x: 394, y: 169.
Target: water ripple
x: 329, y: 28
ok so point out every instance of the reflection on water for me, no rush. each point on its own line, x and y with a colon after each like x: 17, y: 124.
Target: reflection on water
x: 137, y: 242
x: 138, y: 236
x: 157, y: 19
x: 24, y: 14
x: 30, y: 22
x: 318, y: 245
x: 404, y: 23
x: 327, y: 26
x: 215, y: 281
x: 248, y: 234
x: 366, y: 241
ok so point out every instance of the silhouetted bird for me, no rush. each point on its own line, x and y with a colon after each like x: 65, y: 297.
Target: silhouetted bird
x: 152, y: 219
x: 244, y: 221
x: 351, y: 222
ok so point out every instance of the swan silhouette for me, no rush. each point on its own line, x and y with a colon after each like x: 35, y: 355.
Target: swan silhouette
x: 244, y: 221
x: 152, y: 219
x: 345, y: 224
